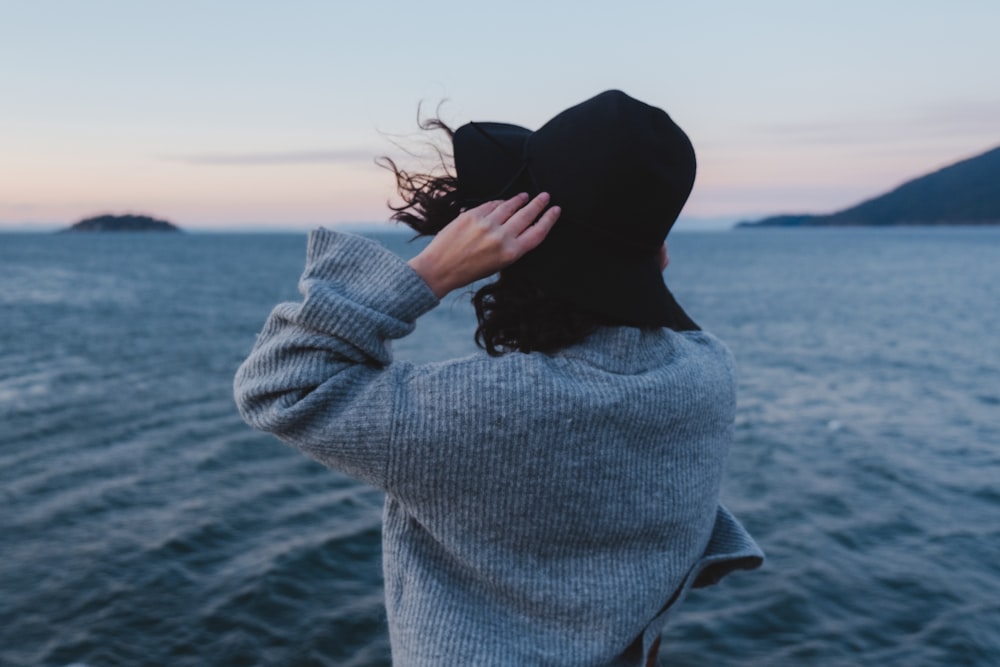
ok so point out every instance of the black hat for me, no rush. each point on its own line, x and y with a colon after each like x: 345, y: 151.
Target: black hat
x: 621, y: 171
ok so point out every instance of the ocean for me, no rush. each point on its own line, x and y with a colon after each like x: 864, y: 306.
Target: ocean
x: 143, y: 523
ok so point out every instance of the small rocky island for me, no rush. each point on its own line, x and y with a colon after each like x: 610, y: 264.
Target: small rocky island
x: 122, y: 223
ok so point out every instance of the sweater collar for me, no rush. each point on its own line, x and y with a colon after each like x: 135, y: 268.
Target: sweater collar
x: 626, y: 349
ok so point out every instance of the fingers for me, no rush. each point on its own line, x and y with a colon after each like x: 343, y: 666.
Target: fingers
x: 501, y: 213
x: 486, y: 208
x: 515, y: 214
x: 537, y: 232
x: 526, y: 214
x: 483, y: 240
x: 520, y: 221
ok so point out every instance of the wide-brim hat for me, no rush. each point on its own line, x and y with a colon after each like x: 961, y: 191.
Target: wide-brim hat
x: 621, y: 171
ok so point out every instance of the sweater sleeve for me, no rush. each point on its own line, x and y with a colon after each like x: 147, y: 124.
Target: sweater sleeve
x: 320, y: 376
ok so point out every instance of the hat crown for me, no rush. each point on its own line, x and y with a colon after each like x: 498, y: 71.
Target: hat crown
x: 616, y: 164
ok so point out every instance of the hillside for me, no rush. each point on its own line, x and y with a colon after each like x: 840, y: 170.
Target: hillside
x: 965, y: 193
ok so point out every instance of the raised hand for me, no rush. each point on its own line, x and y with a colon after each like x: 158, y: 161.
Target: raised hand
x: 483, y: 240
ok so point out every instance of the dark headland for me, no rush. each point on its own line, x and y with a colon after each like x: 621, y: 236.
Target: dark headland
x: 964, y: 193
x: 122, y: 223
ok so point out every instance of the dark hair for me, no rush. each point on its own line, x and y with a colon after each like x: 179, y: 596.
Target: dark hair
x: 514, y: 314
x: 430, y: 201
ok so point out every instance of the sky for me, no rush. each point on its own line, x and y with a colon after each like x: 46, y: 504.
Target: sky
x: 268, y: 115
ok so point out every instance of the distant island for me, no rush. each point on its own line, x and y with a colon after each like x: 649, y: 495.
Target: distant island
x: 122, y: 223
x: 965, y: 193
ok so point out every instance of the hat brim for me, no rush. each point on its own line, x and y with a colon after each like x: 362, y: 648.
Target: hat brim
x: 489, y: 161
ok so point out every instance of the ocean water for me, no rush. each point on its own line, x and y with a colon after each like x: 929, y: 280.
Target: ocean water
x: 142, y: 523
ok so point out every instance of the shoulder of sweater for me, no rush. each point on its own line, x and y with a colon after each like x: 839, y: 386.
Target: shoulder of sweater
x: 480, y: 362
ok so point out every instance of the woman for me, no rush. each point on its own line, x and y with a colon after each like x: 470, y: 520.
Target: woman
x: 549, y: 502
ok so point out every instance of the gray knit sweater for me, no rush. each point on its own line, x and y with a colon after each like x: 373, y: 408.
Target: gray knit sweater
x: 541, y: 509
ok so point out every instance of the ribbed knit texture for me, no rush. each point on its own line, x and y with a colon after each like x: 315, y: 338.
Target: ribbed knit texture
x: 541, y: 509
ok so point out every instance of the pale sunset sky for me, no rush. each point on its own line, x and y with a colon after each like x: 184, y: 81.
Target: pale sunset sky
x: 268, y: 115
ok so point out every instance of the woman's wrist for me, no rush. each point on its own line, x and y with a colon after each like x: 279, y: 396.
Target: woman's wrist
x: 425, y: 269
